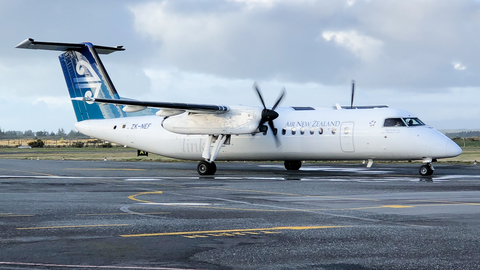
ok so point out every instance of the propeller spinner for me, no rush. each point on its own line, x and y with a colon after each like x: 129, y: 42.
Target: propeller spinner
x: 268, y: 115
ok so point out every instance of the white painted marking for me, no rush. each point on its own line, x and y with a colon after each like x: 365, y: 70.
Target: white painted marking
x: 86, y: 266
x: 180, y: 204
x: 271, y: 166
x: 143, y: 179
x: 336, y: 169
x: 55, y: 177
x: 447, y: 177
x: 331, y: 169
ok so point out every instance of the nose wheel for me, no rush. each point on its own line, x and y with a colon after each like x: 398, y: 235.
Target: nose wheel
x: 426, y: 170
x: 206, y: 168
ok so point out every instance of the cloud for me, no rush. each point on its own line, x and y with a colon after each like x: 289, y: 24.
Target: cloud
x: 173, y: 85
x: 458, y: 66
x: 233, y: 41
x: 327, y: 42
x: 252, y: 4
x: 350, y: 3
x: 362, y: 46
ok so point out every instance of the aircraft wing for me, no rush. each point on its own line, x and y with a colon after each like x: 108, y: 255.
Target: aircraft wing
x: 169, y: 108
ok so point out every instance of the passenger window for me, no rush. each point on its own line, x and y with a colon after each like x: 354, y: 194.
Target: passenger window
x: 394, y: 122
x: 312, y: 131
x: 284, y: 131
x: 334, y: 130
x: 302, y: 131
x: 320, y: 131
x: 294, y: 130
x: 411, y: 122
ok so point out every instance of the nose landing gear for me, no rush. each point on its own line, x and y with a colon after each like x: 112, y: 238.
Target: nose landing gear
x: 426, y: 169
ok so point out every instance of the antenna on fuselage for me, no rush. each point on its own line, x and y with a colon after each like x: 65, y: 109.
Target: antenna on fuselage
x: 353, y: 94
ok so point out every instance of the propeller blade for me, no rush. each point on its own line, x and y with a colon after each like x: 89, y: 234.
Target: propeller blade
x: 353, y: 94
x: 272, y: 127
x: 279, y: 99
x: 268, y: 115
x: 255, y: 86
x: 274, y: 131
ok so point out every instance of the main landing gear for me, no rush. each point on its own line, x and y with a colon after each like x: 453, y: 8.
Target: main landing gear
x: 206, y: 168
x: 426, y: 169
x: 293, y: 165
x: 212, y: 148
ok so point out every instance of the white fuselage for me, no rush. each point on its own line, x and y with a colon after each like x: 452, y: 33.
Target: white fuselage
x: 315, y: 134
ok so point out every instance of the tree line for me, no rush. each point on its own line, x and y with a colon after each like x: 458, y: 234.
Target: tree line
x: 463, y: 134
x: 29, y: 134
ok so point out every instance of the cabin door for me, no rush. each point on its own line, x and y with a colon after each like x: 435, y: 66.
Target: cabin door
x: 346, y: 137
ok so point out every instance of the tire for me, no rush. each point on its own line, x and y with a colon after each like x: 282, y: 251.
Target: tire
x: 205, y: 168
x: 293, y: 165
x: 425, y: 170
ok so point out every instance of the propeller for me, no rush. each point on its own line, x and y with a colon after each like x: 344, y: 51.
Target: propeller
x: 353, y: 93
x: 268, y: 115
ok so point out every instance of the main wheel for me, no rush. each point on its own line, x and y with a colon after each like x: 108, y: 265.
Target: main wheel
x: 205, y: 168
x: 293, y: 165
x: 425, y: 170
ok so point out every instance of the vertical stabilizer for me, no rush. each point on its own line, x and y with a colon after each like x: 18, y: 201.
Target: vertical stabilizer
x: 85, y: 76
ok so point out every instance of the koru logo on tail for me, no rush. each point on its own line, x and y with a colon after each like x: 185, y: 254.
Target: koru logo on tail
x: 90, y: 80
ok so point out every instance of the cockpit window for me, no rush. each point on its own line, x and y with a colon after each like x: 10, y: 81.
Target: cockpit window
x: 394, y: 122
x: 411, y: 122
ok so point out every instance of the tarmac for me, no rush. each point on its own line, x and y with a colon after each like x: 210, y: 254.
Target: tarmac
x: 147, y: 215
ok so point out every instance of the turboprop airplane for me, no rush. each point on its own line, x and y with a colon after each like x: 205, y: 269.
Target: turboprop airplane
x: 209, y: 133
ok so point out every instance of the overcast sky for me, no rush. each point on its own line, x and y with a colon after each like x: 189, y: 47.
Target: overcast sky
x: 422, y: 56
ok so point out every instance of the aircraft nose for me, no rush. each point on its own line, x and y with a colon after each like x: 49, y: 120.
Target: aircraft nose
x: 452, y: 149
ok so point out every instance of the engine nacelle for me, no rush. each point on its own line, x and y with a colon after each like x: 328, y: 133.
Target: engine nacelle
x: 235, y: 121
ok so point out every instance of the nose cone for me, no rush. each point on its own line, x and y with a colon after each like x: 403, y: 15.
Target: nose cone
x: 439, y: 145
x: 452, y: 149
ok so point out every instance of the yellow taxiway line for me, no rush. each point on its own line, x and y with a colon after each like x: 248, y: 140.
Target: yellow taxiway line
x: 143, y: 193
x: 235, y: 231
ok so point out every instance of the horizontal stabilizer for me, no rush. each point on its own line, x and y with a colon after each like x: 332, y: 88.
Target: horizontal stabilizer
x: 30, y: 43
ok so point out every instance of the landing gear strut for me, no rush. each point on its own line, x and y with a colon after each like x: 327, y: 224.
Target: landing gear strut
x: 426, y: 170
x: 212, y: 147
x: 206, y: 168
x: 293, y: 165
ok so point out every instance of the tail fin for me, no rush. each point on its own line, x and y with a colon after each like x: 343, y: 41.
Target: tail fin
x: 85, y: 76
